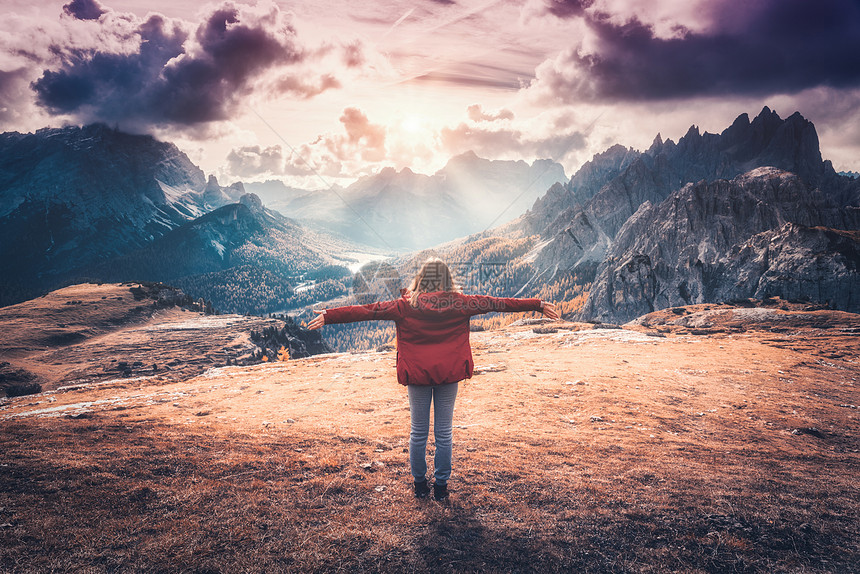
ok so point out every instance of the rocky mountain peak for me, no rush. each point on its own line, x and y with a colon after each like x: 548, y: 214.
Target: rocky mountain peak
x: 252, y: 202
x: 465, y: 158
x: 740, y: 125
x: 610, y: 188
x: 767, y: 120
x: 237, y: 188
x: 655, y: 145
x: 387, y: 172
x: 215, y: 196
x: 74, y: 197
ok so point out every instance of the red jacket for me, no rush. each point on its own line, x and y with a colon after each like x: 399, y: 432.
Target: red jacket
x: 432, y: 338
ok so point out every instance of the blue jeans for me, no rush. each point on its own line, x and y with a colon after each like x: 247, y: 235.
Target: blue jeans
x: 443, y: 397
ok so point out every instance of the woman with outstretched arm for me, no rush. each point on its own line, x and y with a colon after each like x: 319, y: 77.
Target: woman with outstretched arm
x: 433, y: 355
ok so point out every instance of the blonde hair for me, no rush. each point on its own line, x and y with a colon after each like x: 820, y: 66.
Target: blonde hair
x: 433, y: 276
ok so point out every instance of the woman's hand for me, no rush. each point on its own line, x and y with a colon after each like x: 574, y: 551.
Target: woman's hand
x: 549, y: 310
x: 317, y: 321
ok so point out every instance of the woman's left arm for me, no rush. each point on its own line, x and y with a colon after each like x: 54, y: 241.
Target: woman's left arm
x: 478, y: 304
x: 550, y: 310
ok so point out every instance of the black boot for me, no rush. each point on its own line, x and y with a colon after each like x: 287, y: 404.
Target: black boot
x: 421, y: 489
x: 440, y: 491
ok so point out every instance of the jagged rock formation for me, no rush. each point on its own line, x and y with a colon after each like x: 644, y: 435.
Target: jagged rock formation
x: 579, y: 222
x: 689, y: 222
x: 765, y: 233
x: 551, y: 212
x: 214, y: 196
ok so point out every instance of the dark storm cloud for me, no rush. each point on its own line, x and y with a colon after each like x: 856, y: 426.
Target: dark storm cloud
x: 784, y: 46
x: 114, y: 84
x: 84, y: 9
x: 173, y: 78
x: 567, y: 8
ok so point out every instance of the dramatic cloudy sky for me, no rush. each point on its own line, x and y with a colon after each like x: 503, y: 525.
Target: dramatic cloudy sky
x: 316, y: 91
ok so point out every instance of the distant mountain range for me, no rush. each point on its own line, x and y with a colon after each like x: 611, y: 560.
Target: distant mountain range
x: 93, y: 203
x: 751, y: 212
x: 242, y: 257
x: 407, y: 211
x: 69, y: 197
x: 243, y: 233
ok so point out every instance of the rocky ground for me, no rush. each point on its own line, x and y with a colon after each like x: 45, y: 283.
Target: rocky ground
x: 701, y: 439
x: 94, y: 333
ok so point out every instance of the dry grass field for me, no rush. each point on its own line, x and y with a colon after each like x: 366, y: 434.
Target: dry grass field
x: 708, y: 439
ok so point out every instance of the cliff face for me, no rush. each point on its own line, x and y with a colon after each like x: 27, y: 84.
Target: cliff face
x: 741, y: 213
x: 578, y: 223
x: 797, y: 262
x: 764, y: 233
x: 550, y: 212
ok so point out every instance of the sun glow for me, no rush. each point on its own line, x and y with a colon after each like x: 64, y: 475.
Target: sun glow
x: 412, y: 125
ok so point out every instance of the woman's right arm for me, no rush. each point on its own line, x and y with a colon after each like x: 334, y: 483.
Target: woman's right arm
x: 380, y: 311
